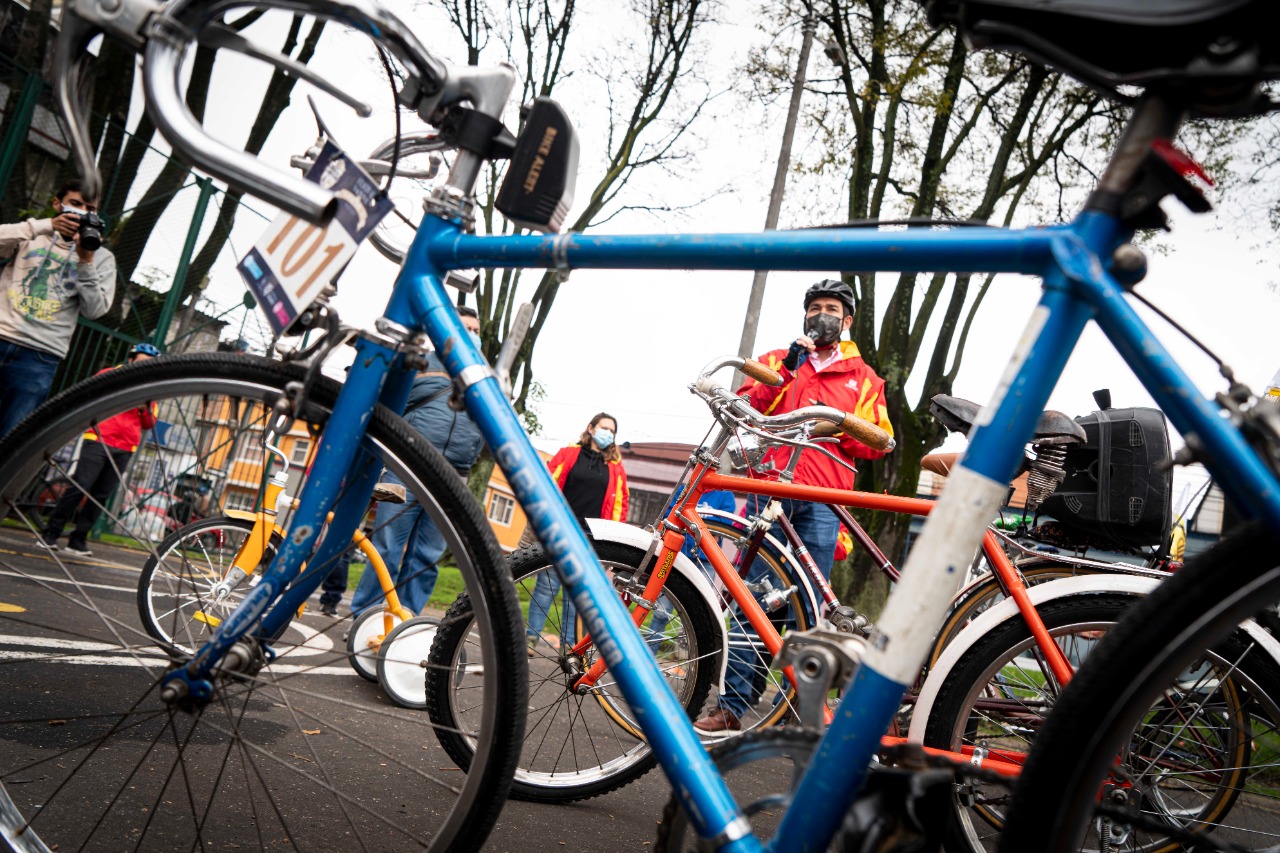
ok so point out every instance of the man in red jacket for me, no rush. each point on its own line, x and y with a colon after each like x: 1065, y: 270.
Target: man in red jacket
x: 817, y: 369
x: 104, y: 452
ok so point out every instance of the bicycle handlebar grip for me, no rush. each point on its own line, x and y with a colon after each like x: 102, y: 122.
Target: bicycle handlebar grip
x: 761, y: 373
x: 864, y: 431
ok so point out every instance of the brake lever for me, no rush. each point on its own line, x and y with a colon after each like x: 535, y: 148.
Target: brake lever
x: 219, y: 36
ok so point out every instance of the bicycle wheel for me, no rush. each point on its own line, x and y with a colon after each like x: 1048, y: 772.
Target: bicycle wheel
x: 90, y: 755
x: 989, y: 593
x: 178, y: 594
x: 791, y: 608
x: 370, y: 625
x: 575, y: 746
x: 402, y: 659
x: 1166, y: 654
x: 998, y: 693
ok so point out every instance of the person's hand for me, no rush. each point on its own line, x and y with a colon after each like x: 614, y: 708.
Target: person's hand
x: 804, y: 343
x: 67, y: 224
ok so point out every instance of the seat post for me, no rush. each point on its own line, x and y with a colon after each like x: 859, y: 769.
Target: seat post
x: 1154, y: 117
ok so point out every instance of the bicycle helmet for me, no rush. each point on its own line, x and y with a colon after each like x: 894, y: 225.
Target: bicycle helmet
x: 831, y: 287
x: 145, y: 348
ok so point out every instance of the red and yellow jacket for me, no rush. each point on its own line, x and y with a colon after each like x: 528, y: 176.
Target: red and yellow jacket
x: 124, y: 431
x: 617, y: 497
x: 848, y: 384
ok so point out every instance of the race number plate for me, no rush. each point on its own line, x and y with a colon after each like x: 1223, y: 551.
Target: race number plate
x: 289, y: 266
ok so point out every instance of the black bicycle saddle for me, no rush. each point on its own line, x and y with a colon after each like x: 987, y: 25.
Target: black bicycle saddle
x: 1210, y: 54
x: 958, y: 415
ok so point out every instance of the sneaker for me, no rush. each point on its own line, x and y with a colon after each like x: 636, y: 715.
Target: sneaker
x: 78, y: 552
x: 45, y: 544
x: 532, y: 643
x: 328, y: 610
x: 392, y: 493
x: 719, y: 720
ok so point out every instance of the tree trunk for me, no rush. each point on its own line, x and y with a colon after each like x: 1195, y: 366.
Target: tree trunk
x: 147, y: 213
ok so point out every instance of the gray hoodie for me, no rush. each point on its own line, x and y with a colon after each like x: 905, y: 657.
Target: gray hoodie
x: 44, y: 287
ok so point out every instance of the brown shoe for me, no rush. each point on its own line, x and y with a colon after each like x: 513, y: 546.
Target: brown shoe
x: 719, y: 720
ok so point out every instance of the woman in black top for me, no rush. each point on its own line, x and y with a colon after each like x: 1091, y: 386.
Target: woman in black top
x: 594, y: 483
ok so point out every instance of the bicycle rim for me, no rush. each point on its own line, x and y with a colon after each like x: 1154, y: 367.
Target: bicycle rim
x: 176, y: 597
x: 301, y: 752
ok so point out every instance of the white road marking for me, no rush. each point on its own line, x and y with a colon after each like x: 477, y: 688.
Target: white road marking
x: 53, y: 650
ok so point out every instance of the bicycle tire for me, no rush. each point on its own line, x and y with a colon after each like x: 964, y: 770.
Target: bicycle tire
x: 1182, y: 621
x: 368, y: 625
x: 292, y: 743
x: 174, y: 567
x: 990, y: 592
x: 612, y: 753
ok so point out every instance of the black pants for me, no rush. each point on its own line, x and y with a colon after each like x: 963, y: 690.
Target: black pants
x: 96, y: 475
x: 335, y: 583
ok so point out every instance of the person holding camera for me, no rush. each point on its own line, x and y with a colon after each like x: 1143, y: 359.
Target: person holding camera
x: 57, y: 270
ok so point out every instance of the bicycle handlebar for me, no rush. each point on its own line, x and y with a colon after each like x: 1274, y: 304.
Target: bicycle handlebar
x: 840, y: 421
x: 164, y: 34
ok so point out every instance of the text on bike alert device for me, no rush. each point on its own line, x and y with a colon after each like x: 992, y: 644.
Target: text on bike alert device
x: 293, y: 260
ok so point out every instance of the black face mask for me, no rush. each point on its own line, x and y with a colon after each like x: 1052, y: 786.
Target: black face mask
x: 824, y: 329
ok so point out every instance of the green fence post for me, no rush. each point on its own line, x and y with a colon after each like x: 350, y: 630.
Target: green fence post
x: 19, y: 128
x: 184, y: 262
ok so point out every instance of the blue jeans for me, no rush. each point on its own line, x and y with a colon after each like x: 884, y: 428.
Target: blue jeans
x: 410, y: 545
x: 26, y: 376
x: 817, y: 527
x: 540, y: 601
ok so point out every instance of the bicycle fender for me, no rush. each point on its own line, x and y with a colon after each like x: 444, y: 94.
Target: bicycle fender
x: 638, y: 537
x: 245, y: 515
x: 1002, y: 612
x: 783, y: 553
x: 1040, y: 594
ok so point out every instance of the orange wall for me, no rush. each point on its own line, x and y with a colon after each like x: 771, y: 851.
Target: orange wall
x: 508, y: 534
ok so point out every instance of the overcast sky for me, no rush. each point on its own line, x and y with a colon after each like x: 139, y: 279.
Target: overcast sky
x: 630, y: 342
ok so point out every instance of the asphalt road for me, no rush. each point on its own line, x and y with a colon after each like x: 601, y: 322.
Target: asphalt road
x: 44, y: 629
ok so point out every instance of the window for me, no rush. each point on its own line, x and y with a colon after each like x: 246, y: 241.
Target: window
x: 301, y: 447
x: 500, y: 509
x: 239, y: 499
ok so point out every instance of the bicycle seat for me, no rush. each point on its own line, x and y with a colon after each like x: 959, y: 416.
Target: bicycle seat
x: 958, y: 415
x: 1210, y: 54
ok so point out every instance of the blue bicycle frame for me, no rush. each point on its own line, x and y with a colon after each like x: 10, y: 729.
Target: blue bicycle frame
x: 1071, y: 260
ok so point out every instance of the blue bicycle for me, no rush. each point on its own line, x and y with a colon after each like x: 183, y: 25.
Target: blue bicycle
x: 246, y: 742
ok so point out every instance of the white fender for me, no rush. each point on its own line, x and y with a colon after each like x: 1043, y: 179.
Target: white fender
x: 783, y: 552
x: 638, y: 537
x: 1040, y: 594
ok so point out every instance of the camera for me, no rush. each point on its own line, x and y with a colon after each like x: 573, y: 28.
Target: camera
x: 89, y: 236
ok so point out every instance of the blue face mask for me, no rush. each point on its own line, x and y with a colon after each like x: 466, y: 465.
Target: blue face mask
x: 475, y: 336
x: 604, y: 438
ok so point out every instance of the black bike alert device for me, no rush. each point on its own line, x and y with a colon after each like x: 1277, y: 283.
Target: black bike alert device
x: 538, y: 188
